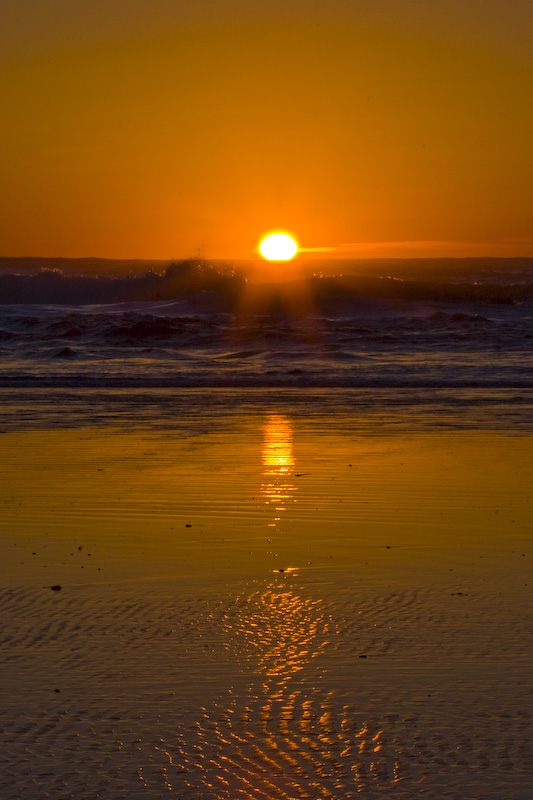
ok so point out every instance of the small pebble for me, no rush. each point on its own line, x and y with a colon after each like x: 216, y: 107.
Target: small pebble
x: 56, y: 588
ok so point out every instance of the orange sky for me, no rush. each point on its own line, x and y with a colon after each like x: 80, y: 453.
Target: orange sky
x: 152, y: 129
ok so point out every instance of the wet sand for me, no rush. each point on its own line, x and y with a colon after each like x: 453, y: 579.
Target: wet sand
x: 264, y: 607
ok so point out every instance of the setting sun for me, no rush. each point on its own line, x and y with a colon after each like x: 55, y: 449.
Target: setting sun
x: 278, y: 247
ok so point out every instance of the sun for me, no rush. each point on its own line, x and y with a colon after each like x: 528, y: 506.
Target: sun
x: 278, y: 247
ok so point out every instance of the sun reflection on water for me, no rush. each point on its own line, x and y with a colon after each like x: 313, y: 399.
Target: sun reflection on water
x: 286, y: 731
x: 277, y: 449
x: 277, y: 488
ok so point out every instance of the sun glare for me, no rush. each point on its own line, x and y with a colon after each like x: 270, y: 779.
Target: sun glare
x: 278, y: 247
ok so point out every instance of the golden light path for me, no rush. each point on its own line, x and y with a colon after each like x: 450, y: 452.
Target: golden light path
x: 277, y: 450
x: 278, y: 461
x: 278, y: 489
x: 278, y: 247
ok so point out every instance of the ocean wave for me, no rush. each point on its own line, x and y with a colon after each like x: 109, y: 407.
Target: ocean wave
x: 178, y: 280
x: 317, y: 335
x: 215, y: 286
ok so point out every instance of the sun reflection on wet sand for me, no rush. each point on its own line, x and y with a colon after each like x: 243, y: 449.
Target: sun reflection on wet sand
x: 277, y: 450
x: 330, y: 683
x: 279, y: 633
x: 277, y: 488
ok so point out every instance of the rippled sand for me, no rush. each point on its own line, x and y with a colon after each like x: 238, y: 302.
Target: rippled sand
x: 264, y: 607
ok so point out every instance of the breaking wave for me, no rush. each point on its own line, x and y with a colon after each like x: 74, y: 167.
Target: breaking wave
x: 500, y: 283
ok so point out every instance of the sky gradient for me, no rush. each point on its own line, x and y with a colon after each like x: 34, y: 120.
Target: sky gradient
x: 153, y: 129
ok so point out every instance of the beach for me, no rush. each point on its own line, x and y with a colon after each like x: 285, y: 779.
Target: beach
x: 266, y: 400
x: 265, y: 596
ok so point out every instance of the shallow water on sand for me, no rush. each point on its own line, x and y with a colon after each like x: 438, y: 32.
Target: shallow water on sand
x: 265, y: 600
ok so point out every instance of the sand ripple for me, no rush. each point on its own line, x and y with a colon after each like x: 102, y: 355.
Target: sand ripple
x: 266, y: 690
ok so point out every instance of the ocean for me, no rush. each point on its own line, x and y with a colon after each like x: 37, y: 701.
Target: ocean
x: 456, y: 324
